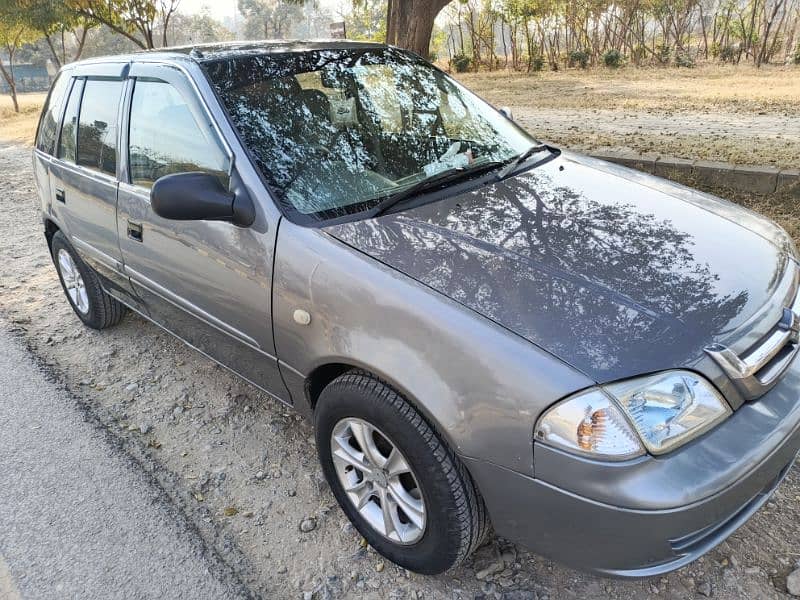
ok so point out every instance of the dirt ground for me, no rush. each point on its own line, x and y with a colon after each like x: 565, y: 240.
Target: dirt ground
x: 243, y: 468
x: 737, y: 114
x: 21, y: 126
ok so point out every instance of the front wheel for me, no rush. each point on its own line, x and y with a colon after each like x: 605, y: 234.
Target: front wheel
x: 400, y: 485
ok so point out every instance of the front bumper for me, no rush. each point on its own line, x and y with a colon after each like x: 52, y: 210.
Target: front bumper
x: 651, y: 515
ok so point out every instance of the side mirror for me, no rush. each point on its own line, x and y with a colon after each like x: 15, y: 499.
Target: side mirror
x: 506, y: 112
x: 199, y: 196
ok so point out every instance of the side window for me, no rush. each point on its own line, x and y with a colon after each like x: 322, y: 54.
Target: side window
x: 97, y: 125
x: 66, y: 142
x: 48, y: 125
x: 168, y: 135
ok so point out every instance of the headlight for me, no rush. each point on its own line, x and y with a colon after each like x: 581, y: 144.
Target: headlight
x: 661, y: 412
x: 669, y: 409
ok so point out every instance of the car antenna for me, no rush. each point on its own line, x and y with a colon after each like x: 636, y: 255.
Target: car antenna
x: 195, y: 53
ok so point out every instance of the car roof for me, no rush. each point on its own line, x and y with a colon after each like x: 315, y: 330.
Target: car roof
x: 220, y: 50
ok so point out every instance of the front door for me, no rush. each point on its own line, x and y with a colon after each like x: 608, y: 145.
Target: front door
x: 209, y: 282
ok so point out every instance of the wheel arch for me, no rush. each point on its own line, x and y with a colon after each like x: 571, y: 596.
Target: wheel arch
x: 50, y: 229
x: 322, y: 375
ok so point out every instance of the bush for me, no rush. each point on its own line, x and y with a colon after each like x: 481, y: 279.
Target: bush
x: 612, y: 59
x: 460, y: 63
x: 537, y: 64
x: 685, y: 59
x: 796, y: 57
x: 729, y: 54
x: 638, y: 54
x: 579, y: 58
x: 663, y: 53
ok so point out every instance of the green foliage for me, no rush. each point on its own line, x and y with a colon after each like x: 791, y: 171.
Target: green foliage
x: 460, y: 63
x: 537, y: 63
x: 613, y: 58
x: 686, y: 59
x: 663, y: 53
x: 367, y: 21
x: 729, y: 54
x: 266, y: 19
x: 15, y: 30
x: 197, y: 29
x: 14, y: 33
x: 579, y: 58
x: 438, y: 43
x: 137, y: 20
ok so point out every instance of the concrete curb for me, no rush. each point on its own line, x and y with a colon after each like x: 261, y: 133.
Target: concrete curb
x: 757, y: 180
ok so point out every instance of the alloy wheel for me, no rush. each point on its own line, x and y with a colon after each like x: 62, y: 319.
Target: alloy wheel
x: 378, y: 480
x: 73, y: 282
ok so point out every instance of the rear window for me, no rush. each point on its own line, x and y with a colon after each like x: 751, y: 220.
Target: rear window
x: 48, y: 125
x: 97, y: 125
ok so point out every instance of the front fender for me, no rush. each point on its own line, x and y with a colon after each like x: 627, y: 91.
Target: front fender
x: 480, y: 385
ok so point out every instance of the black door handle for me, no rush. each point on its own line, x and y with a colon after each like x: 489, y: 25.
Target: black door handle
x: 60, y: 196
x: 135, y: 231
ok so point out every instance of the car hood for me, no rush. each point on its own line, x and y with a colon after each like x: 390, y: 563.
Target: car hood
x: 615, y: 272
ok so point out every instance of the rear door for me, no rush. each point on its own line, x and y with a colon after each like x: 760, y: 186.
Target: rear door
x: 83, y: 175
x: 209, y: 282
x: 46, y: 136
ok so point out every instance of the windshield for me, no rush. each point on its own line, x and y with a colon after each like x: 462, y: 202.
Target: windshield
x: 335, y: 132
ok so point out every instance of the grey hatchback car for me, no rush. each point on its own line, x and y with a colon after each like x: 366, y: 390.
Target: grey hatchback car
x: 485, y: 331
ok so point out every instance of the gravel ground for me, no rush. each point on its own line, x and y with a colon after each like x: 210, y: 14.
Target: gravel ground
x: 243, y: 469
x: 767, y: 139
x: 116, y: 534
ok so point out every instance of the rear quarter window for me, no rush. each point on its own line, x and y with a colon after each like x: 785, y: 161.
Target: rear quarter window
x: 66, y: 141
x: 51, y: 113
x: 97, y: 125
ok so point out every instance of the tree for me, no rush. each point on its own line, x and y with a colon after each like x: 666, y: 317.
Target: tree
x: 197, y: 29
x: 269, y: 19
x: 54, y: 21
x: 137, y: 20
x: 409, y: 23
x: 367, y: 21
x: 14, y: 32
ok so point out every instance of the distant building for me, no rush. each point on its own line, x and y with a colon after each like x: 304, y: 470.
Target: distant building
x: 29, y: 78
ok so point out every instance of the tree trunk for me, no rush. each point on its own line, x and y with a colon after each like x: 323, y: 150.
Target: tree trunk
x: 409, y: 23
x: 81, y: 42
x: 53, y: 52
x: 8, y: 75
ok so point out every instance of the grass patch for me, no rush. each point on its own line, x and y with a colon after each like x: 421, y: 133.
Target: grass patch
x: 20, y: 127
x: 739, y: 88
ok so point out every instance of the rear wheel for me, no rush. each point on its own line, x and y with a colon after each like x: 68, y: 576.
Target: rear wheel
x: 401, y: 486
x: 82, y: 287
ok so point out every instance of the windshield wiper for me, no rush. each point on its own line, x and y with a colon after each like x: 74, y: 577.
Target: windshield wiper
x: 514, y: 164
x: 448, y: 176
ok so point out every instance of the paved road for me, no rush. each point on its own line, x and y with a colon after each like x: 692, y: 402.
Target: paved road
x: 77, y: 519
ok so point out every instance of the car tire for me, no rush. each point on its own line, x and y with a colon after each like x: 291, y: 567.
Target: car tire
x: 82, y: 287
x: 455, y: 518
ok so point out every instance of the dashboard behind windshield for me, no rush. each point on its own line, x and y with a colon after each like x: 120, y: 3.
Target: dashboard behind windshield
x: 335, y: 132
